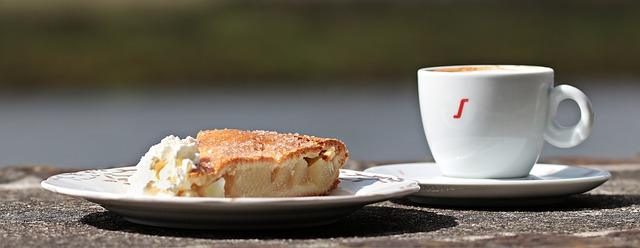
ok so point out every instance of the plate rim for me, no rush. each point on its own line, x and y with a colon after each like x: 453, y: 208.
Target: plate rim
x: 411, y: 187
x: 602, y: 176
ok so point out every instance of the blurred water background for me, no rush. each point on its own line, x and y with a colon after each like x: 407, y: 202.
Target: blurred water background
x: 95, y: 83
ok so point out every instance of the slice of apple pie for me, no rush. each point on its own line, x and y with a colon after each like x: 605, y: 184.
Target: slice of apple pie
x: 236, y: 163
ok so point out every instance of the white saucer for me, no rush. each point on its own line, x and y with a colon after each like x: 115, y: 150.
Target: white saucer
x: 107, y: 187
x: 547, y: 183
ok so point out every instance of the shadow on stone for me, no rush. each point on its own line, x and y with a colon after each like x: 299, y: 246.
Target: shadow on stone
x: 571, y: 203
x: 366, y: 222
x: 589, y: 201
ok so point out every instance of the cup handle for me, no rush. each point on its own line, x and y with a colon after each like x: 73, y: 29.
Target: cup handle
x: 565, y: 137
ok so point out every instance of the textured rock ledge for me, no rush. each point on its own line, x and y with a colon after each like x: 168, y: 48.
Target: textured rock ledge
x: 606, y: 216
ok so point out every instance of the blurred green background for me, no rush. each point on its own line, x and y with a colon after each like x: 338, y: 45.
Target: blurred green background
x: 95, y: 83
x: 117, y: 43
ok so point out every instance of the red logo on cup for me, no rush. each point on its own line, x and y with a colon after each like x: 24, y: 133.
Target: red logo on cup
x: 459, y: 114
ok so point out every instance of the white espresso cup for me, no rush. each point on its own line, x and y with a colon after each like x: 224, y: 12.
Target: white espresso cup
x: 490, y: 121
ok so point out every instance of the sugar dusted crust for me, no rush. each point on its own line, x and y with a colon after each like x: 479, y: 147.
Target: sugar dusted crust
x: 231, y: 153
x: 220, y: 148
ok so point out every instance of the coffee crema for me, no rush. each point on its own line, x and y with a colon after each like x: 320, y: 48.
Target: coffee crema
x: 469, y: 68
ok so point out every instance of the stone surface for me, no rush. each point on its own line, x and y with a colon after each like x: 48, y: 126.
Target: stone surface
x: 606, y: 216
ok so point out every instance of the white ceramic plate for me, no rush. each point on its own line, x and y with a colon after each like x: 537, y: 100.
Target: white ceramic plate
x: 107, y: 187
x: 546, y: 183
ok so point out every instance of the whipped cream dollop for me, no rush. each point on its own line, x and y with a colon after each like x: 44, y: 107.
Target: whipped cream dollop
x: 165, y: 170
